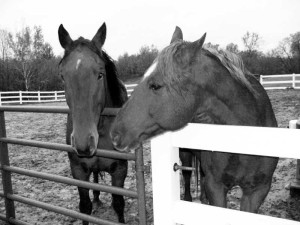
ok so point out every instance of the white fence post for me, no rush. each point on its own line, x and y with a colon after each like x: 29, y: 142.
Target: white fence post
x: 55, y: 96
x: 295, y: 185
x: 164, y: 155
x: 20, y: 97
x: 39, y: 96
x: 0, y: 99
x: 294, y: 80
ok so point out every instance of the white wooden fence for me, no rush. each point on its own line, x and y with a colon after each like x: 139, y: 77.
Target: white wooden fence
x: 20, y: 97
x: 280, y: 81
x: 167, y: 206
x: 268, y: 81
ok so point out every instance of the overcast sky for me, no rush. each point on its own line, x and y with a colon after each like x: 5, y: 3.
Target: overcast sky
x: 133, y: 24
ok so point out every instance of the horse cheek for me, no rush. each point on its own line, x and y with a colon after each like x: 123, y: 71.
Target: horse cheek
x: 182, y: 113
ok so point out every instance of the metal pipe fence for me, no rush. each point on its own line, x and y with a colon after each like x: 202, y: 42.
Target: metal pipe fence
x: 7, y: 170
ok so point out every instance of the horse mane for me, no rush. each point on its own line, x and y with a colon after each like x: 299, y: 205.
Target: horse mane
x: 115, y: 86
x: 230, y: 61
x: 234, y: 64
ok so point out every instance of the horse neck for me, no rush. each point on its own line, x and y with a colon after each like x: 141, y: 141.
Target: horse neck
x: 222, y: 98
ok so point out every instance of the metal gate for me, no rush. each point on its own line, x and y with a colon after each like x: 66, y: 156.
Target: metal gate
x: 6, y: 169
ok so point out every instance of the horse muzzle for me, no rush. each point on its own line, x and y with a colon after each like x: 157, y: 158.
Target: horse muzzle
x: 84, y: 148
x: 117, y: 142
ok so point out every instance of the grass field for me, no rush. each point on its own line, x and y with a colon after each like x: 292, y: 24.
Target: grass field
x: 51, y: 128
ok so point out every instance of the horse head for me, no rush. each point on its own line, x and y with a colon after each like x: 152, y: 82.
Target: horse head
x: 165, y: 98
x: 83, y: 72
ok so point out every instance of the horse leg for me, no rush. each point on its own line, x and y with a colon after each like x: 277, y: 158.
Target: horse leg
x: 118, y: 174
x: 215, y: 191
x: 203, y: 197
x: 96, y: 200
x: 253, y: 197
x: 186, y: 160
x: 85, y: 204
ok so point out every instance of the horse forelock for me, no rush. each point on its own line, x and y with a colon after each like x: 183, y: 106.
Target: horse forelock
x: 81, y: 42
x: 167, y: 63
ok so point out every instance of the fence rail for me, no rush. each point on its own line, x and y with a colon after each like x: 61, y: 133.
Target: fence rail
x: 167, y: 206
x: 21, y: 97
x: 6, y: 169
x: 282, y: 81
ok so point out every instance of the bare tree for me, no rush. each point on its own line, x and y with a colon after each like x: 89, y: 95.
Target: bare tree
x: 4, y: 45
x: 4, y: 55
x: 251, y: 42
x: 295, y: 44
x: 29, y: 51
x: 288, y: 51
x: 21, y: 46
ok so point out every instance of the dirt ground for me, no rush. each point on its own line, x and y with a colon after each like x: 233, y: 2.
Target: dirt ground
x: 51, y: 128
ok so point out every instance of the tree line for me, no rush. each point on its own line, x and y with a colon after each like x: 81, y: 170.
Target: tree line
x: 284, y: 59
x: 27, y: 62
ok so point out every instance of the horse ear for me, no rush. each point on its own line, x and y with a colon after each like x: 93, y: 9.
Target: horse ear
x: 196, y: 46
x: 64, y: 37
x: 187, y: 54
x: 100, y: 36
x: 201, y: 40
x: 177, y: 35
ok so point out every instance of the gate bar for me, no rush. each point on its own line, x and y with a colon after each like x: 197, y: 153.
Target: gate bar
x: 140, y: 183
x: 52, y: 109
x: 67, y: 148
x: 137, y: 157
x: 6, y: 175
x: 70, y: 181
x: 60, y: 210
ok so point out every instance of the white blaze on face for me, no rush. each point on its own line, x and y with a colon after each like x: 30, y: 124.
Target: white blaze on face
x: 78, y: 63
x: 150, y: 70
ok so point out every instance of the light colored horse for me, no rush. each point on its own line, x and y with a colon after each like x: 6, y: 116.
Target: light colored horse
x: 189, y: 83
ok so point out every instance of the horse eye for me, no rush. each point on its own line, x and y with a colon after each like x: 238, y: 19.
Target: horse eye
x: 100, y: 75
x: 155, y: 87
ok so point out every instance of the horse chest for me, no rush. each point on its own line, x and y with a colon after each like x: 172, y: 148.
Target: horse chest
x: 234, y: 169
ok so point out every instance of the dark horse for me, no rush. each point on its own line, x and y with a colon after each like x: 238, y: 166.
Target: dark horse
x: 91, y: 84
x: 189, y: 83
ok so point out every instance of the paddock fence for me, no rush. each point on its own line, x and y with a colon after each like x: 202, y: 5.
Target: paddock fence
x: 21, y: 97
x: 167, y: 206
x: 283, y: 81
x: 10, y: 197
x: 269, y: 82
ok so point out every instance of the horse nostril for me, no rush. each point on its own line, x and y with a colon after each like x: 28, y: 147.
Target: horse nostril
x: 116, y: 139
x: 92, y: 142
x: 72, y: 141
